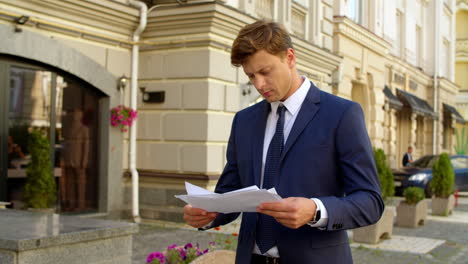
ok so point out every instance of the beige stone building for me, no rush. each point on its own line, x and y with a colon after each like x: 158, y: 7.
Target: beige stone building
x: 392, y: 60
x: 461, y: 59
x: 64, y: 57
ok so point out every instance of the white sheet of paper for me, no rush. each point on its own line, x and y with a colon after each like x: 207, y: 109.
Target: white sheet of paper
x: 242, y: 200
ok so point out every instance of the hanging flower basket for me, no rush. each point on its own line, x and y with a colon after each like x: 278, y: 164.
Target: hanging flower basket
x: 123, y: 117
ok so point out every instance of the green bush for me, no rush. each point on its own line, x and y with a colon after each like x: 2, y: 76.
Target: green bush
x: 385, y: 174
x: 443, y: 177
x: 413, y: 195
x: 40, y: 189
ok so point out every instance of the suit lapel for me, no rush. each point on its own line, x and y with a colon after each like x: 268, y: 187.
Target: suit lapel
x: 259, y: 126
x: 309, y: 108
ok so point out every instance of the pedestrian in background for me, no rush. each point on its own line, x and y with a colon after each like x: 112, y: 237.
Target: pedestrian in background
x: 408, y: 157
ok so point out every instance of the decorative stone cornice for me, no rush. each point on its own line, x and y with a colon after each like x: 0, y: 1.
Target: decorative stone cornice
x: 361, y: 35
x: 216, y: 25
x: 403, y: 67
x: 461, y: 48
x: 462, y: 5
x: 107, y: 18
x: 448, y: 86
x: 210, y: 24
x: 315, y: 57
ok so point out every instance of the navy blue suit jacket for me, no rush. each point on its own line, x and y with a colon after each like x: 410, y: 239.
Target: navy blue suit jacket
x: 328, y: 155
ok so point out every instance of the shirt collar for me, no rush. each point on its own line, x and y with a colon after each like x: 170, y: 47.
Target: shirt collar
x: 294, y: 102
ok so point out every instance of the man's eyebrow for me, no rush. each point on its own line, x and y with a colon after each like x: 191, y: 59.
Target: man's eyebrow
x: 266, y: 67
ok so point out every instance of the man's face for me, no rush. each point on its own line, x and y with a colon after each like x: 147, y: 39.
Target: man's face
x: 410, y: 150
x: 270, y: 74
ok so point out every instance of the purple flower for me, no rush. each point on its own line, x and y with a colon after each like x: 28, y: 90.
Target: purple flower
x: 172, y: 246
x: 188, y: 245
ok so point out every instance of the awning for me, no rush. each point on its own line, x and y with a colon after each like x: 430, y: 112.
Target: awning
x: 451, y: 110
x: 392, y: 99
x: 415, y: 103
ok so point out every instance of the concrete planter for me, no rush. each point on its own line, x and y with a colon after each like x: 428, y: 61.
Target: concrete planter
x: 215, y: 257
x: 411, y: 215
x: 374, y: 233
x: 443, y: 206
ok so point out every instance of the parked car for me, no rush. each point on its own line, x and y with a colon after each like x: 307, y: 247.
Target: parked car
x: 419, y: 173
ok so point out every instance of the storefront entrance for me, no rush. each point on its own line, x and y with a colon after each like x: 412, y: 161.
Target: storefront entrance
x: 65, y: 109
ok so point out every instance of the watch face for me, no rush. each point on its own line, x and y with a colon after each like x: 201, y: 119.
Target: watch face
x: 317, y: 215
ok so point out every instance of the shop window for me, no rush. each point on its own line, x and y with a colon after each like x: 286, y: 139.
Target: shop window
x: 66, y: 109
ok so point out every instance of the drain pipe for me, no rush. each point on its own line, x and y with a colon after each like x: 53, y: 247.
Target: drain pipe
x: 133, y: 104
x: 133, y: 96
x: 436, y: 73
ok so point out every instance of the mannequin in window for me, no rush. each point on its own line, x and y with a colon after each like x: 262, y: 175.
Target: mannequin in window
x: 75, y: 159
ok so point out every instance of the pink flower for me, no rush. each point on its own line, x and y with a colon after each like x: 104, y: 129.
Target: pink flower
x: 123, y: 116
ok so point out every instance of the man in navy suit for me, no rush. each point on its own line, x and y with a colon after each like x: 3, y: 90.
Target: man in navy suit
x: 325, y: 169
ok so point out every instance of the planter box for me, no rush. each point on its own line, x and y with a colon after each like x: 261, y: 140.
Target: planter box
x: 443, y: 206
x: 411, y: 215
x: 374, y: 233
x: 216, y: 257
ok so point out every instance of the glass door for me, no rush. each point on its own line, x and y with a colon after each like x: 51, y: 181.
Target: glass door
x: 29, y: 108
x: 65, y: 109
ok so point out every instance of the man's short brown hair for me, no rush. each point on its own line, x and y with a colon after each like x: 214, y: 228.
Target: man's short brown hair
x: 261, y: 35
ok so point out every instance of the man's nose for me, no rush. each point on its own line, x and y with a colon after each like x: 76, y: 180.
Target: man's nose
x: 259, y: 83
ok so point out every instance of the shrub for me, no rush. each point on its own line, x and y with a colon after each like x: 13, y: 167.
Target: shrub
x: 40, y: 189
x: 413, y: 195
x: 385, y: 174
x: 443, y: 177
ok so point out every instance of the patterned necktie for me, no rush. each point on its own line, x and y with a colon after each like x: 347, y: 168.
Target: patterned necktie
x: 266, y: 237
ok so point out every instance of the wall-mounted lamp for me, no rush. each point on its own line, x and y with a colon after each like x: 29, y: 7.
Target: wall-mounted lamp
x: 20, y: 21
x: 122, y: 82
x: 153, y: 96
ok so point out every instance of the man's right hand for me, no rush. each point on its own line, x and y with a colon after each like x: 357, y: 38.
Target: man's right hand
x: 197, y: 217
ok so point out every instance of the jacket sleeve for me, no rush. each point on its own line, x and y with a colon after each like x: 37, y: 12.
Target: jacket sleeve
x: 362, y: 203
x: 229, y: 179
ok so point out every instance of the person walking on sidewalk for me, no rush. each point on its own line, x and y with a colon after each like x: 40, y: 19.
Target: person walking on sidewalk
x: 408, y: 157
x: 311, y: 146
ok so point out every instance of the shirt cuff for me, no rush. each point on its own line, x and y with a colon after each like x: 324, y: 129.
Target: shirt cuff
x: 323, y: 221
x: 207, y: 226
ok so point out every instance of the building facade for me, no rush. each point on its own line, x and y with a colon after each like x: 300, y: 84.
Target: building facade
x: 63, y: 66
x: 461, y: 60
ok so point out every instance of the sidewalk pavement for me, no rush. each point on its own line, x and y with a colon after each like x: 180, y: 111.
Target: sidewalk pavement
x: 440, y: 240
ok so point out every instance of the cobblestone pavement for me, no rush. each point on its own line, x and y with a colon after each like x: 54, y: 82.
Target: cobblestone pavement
x: 452, y: 230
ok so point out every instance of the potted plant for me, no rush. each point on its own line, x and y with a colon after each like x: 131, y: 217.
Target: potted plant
x: 40, y: 189
x: 384, y: 227
x: 123, y: 117
x: 412, y: 211
x: 442, y: 183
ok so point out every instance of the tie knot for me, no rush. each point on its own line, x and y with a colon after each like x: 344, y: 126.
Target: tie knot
x: 280, y: 110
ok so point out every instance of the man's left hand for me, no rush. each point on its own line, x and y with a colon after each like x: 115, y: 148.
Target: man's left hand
x: 292, y: 212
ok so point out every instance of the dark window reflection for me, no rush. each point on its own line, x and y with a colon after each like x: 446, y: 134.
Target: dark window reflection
x: 77, y: 155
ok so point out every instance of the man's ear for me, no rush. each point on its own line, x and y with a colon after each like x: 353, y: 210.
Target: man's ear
x: 291, y: 58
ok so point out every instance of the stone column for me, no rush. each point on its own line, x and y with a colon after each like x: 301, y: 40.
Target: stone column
x: 413, y: 126
x: 393, y: 138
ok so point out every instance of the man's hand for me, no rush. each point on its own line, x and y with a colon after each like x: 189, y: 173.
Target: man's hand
x: 292, y: 212
x: 197, y: 217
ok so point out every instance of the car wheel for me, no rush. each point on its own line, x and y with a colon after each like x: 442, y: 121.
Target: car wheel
x: 428, y: 190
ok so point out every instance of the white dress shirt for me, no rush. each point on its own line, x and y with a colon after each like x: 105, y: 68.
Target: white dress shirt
x: 293, y: 105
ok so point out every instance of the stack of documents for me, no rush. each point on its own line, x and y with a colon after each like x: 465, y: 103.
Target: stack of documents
x: 243, y: 200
